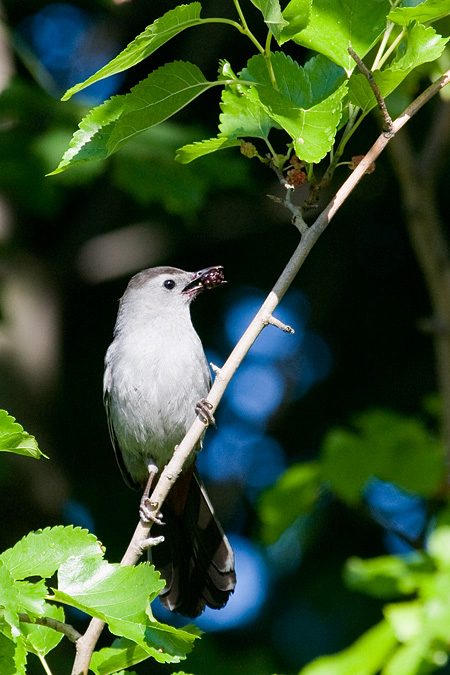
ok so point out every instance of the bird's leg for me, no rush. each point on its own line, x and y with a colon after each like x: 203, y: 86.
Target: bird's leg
x: 146, y: 506
x: 203, y: 408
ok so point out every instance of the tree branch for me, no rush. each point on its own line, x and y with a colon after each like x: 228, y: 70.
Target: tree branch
x: 169, y: 475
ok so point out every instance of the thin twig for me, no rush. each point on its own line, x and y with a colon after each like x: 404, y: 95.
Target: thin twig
x: 65, y: 628
x: 273, y: 321
x: 388, y: 129
x: 86, y: 644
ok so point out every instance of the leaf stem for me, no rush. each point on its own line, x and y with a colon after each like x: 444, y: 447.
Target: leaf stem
x: 45, y: 665
x: 244, y: 29
x: 391, y: 48
x: 350, y: 128
x: 268, y: 59
x: 272, y: 151
x: 379, y: 54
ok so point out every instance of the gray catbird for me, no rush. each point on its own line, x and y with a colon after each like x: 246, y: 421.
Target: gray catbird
x: 156, y: 374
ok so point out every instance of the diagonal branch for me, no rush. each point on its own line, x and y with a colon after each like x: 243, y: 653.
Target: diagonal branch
x: 223, y: 375
x: 262, y: 318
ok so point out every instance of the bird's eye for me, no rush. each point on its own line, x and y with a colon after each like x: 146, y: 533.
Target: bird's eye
x: 169, y: 283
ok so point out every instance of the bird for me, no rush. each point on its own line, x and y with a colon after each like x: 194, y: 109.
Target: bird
x: 156, y: 380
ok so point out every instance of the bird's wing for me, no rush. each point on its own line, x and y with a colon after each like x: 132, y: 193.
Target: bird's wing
x: 115, y: 443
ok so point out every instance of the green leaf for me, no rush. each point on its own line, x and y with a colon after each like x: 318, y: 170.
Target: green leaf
x: 122, y: 654
x: 108, y: 126
x: 295, y: 493
x: 336, y: 25
x: 9, y: 602
x: 242, y: 117
x: 147, y: 42
x: 272, y: 14
x: 31, y: 599
x: 410, y: 659
x: 120, y: 596
x: 406, y: 618
x: 14, y: 439
x: 430, y: 10
x: 438, y: 546
x: 41, y: 553
x: 422, y: 45
x: 366, y: 656
x: 109, y: 588
x: 13, y: 656
x: 39, y: 639
x: 192, y: 151
x: 344, y: 464
x: 388, y: 446
x: 165, y: 644
x: 298, y: 15
x: 387, y: 576
x: 307, y: 110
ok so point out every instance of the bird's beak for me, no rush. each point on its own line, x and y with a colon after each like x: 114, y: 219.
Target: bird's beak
x: 208, y: 278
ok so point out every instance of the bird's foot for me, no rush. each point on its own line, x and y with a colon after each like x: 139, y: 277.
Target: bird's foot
x: 203, y: 409
x: 147, y: 512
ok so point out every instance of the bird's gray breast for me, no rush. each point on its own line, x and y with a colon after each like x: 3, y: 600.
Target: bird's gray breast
x: 154, y: 382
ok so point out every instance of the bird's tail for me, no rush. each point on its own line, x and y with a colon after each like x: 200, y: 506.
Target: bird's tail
x: 196, y: 559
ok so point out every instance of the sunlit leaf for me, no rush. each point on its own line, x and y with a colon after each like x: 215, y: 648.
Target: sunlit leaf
x: 106, y: 127
x: 410, y: 659
x: 387, y: 576
x: 147, y: 42
x: 198, y: 149
x: 430, y: 10
x: 366, y: 656
x: 336, y: 25
x: 422, y: 45
x: 241, y: 117
x: 120, y: 596
x: 308, y: 112
x: 122, y: 654
x: 13, y: 438
x: 298, y: 14
x: 41, y: 553
x: 406, y: 618
x: 31, y: 598
x: 39, y: 639
x: 272, y: 14
x: 9, y: 601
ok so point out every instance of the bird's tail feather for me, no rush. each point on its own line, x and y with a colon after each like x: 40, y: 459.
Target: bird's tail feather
x: 196, y: 559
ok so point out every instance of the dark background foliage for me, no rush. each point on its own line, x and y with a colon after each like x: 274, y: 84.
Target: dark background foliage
x: 62, y: 272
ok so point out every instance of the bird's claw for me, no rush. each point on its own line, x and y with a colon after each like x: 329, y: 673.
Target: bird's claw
x: 203, y: 409
x: 147, y: 514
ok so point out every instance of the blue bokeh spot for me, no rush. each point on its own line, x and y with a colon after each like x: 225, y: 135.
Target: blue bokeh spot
x: 238, y: 452
x: 256, y: 391
x: 273, y: 343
